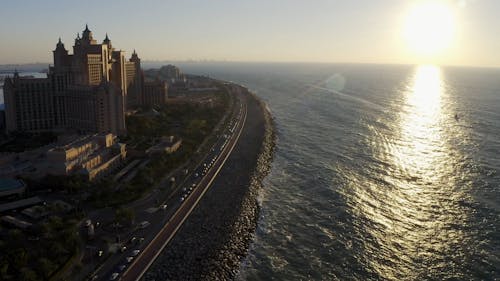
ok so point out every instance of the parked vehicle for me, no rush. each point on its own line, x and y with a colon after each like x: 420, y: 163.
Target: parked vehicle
x: 144, y: 224
x: 122, y: 267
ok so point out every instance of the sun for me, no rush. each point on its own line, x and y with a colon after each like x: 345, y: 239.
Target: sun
x: 429, y: 28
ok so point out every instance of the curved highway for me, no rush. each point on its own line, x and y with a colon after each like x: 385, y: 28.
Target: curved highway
x: 193, y: 190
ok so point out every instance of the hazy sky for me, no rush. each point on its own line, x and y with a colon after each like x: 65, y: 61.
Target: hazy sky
x: 367, y: 31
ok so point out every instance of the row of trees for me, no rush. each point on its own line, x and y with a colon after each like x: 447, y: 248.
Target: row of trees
x: 191, y: 122
x: 38, y: 254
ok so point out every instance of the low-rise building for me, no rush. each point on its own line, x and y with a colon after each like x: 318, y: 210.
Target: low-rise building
x: 155, y: 93
x: 20, y: 204
x: 10, y: 186
x: 16, y: 222
x: 92, y: 156
x: 166, y: 145
x: 89, y: 155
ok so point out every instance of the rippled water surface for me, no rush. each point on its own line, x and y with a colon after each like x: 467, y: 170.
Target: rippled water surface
x: 380, y: 172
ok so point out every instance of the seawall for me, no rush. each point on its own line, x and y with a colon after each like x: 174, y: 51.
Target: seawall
x: 215, y: 238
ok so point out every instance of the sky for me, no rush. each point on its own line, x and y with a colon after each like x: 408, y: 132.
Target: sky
x: 353, y: 31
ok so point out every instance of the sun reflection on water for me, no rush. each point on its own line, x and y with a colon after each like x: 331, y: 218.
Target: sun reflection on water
x: 421, y: 138
x: 411, y: 210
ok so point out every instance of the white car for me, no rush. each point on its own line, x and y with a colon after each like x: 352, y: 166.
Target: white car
x: 114, y: 276
x: 129, y: 259
x: 135, y: 252
x: 144, y: 224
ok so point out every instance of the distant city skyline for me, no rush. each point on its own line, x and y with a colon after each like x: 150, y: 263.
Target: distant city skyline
x: 257, y: 31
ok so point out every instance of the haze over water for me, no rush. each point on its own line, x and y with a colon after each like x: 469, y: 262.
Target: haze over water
x: 380, y: 172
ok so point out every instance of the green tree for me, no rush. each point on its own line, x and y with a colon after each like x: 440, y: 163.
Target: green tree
x: 4, y: 266
x: 19, y: 257
x: 15, y: 238
x: 57, y: 249
x: 55, y: 223
x: 125, y: 215
x: 28, y: 274
x: 45, y: 267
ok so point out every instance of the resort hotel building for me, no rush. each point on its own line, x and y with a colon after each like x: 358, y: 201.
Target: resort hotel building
x: 85, y: 92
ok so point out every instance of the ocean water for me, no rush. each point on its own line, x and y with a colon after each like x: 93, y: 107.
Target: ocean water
x: 380, y: 172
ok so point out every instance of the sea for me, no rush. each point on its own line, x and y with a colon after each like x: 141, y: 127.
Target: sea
x: 380, y: 172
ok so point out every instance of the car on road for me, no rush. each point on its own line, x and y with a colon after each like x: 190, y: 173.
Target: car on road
x: 135, y: 252
x: 129, y: 259
x: 114, y: 276
x: 144, y: 224
x: 122, y: 267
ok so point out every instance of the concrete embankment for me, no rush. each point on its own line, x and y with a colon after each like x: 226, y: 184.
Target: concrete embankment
x: 215, y: 238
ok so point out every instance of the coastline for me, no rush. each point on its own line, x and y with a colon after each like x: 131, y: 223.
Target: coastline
x: 215, y: 239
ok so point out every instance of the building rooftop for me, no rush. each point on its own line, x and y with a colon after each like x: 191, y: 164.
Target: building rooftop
x: 16, y: 222
x: 20, y: 204
x: 10, y: 184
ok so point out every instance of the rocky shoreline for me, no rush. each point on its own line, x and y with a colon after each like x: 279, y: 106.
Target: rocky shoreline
x: 215, y: 238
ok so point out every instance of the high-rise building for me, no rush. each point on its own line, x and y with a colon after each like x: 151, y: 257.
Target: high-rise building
x: 2, y: 121
x: 87, y: 91
x: 154, y: 93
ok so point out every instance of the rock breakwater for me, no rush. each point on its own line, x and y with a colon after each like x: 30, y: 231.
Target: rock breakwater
x: 215, y: 238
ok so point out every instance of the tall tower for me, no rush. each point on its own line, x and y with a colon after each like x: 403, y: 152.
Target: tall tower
x: 107, y: 42
x: 134, y: 81
x: 60, y: 55
x: 87, y: 37
x: 135, y: 59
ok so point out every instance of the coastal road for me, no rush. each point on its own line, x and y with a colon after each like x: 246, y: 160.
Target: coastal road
x: 147, y: 208
x: 147, y: 256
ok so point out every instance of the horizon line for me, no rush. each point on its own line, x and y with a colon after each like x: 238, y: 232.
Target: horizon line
x: 275, y: 62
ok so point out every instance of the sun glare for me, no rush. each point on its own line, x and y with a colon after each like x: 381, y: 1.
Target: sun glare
x: 429, y: 28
